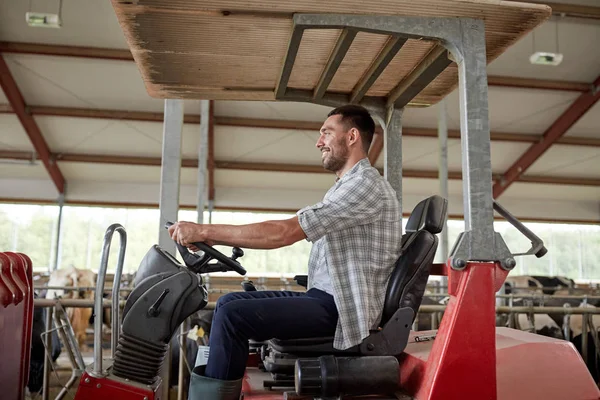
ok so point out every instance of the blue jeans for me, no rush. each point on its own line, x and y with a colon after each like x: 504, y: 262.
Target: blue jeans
x: 264, y: 315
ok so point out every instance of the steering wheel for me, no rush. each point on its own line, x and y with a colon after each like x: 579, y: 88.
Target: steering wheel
x: 200, y: 264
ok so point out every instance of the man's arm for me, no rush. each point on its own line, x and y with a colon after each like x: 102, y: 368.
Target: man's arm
x: 262, y: 235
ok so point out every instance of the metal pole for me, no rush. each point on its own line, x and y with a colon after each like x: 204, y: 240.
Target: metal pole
x: 170, y: 171
x: 567, y: 322
x: 211, y: 207
x: 202, y: 174
x: 392, y: 151
x: 443, y: 173
x: 88, y: 261
x: 57, y: 250
x: 15, y: 241
x: 443, y: 177
x: 584, y: 337
x: 203, y: 157
x: 580, y: 258
x: 47, y: 359
x: 72, y: 303
x: 116, y: 321
x: 169, y: 194
x: 181, y: 388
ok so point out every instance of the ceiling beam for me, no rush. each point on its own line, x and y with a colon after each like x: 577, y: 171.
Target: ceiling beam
x: 545, y: 84
x: 144, y: 116
x: 570, y: 10
x: 276, y: 124
x: 574, y: 10
x: 271, y: 167
x: 66, y: 51
x: 17, y: 103
x: 125, y: 55
x: 577, y: 110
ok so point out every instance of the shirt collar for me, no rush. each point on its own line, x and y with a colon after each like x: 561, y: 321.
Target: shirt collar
x: 362, y: 164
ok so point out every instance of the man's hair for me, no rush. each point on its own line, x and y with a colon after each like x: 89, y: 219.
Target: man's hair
x: 355, y: 116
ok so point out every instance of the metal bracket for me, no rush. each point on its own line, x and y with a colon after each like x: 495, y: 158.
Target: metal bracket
x: 462, y: 252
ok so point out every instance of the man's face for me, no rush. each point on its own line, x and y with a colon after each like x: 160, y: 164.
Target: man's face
x: 333, y: 144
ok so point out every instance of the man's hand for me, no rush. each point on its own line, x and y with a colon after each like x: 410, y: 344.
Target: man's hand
x: 186, y: 233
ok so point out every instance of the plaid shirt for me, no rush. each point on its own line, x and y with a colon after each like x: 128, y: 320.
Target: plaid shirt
x: 357, y: 227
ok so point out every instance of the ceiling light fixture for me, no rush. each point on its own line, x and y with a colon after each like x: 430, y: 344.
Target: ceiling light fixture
x: 546, y: 57
x: 44, y: 20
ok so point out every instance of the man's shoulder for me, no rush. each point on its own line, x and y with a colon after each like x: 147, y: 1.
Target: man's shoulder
x: 367, y: 173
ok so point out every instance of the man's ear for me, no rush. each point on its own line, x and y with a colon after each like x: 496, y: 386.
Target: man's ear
x: 353, y: 136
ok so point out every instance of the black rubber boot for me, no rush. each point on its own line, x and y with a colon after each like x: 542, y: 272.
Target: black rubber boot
x: 205, y: 388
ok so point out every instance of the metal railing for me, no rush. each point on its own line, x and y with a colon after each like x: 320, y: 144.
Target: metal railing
x: 115, y: 325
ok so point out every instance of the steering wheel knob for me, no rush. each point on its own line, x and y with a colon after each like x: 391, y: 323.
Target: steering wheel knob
x: 236, y: 253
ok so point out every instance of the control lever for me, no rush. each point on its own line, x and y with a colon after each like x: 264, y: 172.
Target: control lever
x: 153, y: 311
x: 537, y: 244
x: 236, y: 253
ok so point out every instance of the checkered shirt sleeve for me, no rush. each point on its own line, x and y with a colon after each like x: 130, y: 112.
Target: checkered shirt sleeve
x: 356, y: 202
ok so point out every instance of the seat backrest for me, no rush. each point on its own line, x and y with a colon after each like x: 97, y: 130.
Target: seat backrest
x: 410, y: 274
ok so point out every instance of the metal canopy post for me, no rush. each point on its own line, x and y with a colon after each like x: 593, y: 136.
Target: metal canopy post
x: 170, y: 170
x: 475, y: 141
x: 392, y: 151
x: 479, y: 241
x: 169, y: 193
x: 201, y: 202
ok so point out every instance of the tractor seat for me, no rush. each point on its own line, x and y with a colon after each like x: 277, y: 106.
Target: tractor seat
x: 404, y: 293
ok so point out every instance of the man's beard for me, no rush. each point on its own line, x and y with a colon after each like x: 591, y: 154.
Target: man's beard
x: 336, y: 162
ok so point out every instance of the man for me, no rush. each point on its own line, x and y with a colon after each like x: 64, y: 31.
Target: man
x: 355, y: 233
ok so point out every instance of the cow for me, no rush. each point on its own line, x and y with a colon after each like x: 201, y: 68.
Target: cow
x: 79, y: 317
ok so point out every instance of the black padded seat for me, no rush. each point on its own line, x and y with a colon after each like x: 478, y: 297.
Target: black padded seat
x: 404, y: 293
x: 317, y: 345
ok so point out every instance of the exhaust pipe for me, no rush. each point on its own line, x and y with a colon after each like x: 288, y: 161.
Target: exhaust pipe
x: 330, y: 376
